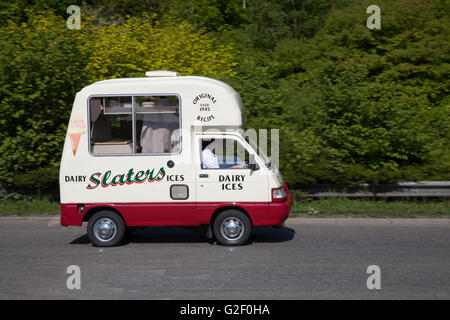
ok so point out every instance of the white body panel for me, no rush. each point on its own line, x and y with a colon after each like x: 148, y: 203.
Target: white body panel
x: 224, y: 112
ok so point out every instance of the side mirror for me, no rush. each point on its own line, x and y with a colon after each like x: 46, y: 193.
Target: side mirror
x: 252, y: 163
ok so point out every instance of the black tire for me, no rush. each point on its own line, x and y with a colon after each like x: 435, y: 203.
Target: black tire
x: 234, y: 217
x: 111, y: 220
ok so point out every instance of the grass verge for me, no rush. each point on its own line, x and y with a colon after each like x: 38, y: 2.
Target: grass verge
x: 29, y: 207
x: 333, y: 207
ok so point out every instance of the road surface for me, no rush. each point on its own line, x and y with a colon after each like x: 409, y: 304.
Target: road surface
x: 307, y: 259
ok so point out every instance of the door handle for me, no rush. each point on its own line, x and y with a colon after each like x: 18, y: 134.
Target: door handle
x: 203, y: 175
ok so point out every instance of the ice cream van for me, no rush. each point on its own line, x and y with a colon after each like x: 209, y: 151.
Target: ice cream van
x: 165, y: 150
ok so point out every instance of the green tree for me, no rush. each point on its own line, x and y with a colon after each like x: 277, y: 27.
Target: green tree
x: 381, y: 99
x: 143, y: 43
x: 355, y: 105
x: 40, y: 70
x: 16, y: 10
x: 43, y: 64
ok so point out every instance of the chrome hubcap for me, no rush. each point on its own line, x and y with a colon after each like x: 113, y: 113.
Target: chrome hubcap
x: 232, y: 228
x: 105, y: 229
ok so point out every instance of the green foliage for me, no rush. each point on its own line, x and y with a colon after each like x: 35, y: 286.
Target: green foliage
x: 353, y: 105
x: 142, y: 43
x: 16, y: 10
x: 41, y: 180
x: 209, y: 14
x: 370, y: 208
x: 43, y: 64
x: 32, y: 206
x: 40, y: 63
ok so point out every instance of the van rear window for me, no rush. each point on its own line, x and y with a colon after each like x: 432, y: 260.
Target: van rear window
x: 134, y: 125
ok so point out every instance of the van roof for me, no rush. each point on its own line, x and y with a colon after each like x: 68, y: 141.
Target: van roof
x: 168, y: 80
x: 205, y: 101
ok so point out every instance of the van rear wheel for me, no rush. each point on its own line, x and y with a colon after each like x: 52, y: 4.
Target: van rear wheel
x: 232, y: 228
x: 106, y: 229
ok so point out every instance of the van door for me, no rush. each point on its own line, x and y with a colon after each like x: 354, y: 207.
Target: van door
x: 223, y: 173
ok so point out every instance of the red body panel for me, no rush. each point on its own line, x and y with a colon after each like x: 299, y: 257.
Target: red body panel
x: 178, y: 214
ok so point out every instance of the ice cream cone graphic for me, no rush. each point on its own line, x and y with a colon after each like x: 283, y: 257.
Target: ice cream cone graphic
x: 76, y: 129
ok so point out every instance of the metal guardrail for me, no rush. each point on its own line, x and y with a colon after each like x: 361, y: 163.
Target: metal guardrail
x: 419, y: 189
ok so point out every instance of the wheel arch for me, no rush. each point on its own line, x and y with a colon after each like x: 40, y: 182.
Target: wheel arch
x: 94, y: 210
x: 225, y: 208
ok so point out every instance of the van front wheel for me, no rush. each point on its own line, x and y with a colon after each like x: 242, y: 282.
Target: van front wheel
x: 232, y: 228
x: 106, y: 229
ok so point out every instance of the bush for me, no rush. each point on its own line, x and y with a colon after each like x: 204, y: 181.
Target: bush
x: 357, y: 105
x: 43, y: 64
x: 41, y: 180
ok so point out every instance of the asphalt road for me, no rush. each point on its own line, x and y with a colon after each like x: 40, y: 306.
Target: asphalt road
x: 308, y: 259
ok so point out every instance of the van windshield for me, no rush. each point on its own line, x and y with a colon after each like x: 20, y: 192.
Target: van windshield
x: 261, y: 154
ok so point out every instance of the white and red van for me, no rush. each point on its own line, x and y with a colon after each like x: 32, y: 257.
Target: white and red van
x: 165, y: 150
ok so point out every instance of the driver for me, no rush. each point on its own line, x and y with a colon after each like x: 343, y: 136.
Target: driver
x: 209, y: 158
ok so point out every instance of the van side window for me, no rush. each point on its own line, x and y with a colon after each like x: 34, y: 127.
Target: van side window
x: 223, y: 154
x: 156, y: 125
x: 111, y: 125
